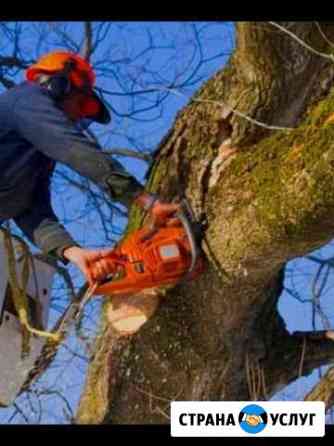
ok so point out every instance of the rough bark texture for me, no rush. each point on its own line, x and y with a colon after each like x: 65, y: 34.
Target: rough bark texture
x: 324, y: 391
x: 267, y: 198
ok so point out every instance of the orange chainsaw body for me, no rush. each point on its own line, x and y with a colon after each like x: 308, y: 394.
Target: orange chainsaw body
x: 150, y: 259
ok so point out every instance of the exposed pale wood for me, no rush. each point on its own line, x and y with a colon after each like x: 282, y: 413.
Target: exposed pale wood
x: 127, y: 314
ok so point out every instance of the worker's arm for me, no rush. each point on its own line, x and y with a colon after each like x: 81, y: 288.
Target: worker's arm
x: 40, y: 121
x: 49, y: 130
x: 40, y: 224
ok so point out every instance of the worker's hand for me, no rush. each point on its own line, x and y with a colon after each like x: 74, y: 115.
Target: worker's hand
x: 159, y: 210
x: 94, y: 264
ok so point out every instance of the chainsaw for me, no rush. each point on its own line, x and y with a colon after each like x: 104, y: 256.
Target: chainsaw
x: 153, y: 257
x: 148, y: 258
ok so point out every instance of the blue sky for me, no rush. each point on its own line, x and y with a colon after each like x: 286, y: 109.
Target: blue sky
x: 125, y: 65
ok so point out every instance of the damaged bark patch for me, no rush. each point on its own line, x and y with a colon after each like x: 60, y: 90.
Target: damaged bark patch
x: 222, y: 160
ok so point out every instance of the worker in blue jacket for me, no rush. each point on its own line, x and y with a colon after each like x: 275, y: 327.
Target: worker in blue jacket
x: 38, y: 128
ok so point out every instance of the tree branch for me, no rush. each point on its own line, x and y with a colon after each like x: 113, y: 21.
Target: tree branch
x: 67, y: 39
x: 296, y: 355
x: 12, y: 61
x: 277, y: 187
x: 129, y: 153
x: 302, y: 42
x: 119, y: 151
x: 87, y: 47
x: 86, y: 190
x: 323, y: 390
x: 227, y: 109
x: 7, y: 83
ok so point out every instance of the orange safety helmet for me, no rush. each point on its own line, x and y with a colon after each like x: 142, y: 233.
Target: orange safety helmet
x: 81, y: 75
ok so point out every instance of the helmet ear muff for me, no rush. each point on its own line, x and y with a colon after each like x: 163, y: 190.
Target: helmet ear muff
x: 59, y: 86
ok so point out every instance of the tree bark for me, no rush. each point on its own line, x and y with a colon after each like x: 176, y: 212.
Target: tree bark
x: 265, y: 194
x: 324, y: 390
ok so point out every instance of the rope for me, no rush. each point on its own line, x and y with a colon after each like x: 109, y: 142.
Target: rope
x: 19, y: 294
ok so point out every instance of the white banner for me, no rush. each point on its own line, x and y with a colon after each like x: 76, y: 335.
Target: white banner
x: 247, y: 419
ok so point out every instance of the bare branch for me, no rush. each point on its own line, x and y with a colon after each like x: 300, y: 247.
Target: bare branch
x: 65, y: 36
x: 297, y: 355
x: 12, y: 61
x: 120, y: 151
x: 20, y: 411
x: 329, y: 261
x: 129, y: 153
x: 318, y: 335
x: 316, y: 295
x: 87, y: 47
x: 324, y: 35
x: 7, y: 83
x: 304, y: 44
x: 85, y: 189
x: 296, y: 295
x: 48, y: 392
x: 60, y: 270
x: 228, y: 109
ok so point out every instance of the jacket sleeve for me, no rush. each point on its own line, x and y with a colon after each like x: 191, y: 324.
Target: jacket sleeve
x: 40, y: 121
x: 40, y: 224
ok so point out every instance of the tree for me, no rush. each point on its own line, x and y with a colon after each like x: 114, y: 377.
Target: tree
x: 139, y: 68
x: 253, y: 153
x: 229, y: 150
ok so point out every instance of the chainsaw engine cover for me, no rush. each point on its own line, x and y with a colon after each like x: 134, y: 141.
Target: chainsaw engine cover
x: 143, y: 261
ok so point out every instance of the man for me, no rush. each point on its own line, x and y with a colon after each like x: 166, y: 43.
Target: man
x: 39, y: 127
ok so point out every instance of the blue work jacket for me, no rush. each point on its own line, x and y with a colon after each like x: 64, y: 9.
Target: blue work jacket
x: 35, y: 134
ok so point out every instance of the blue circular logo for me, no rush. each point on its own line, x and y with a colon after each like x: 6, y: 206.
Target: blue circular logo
x: 253, y: 419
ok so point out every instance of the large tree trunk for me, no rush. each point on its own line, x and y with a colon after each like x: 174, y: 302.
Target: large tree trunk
x: 267, y: 197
